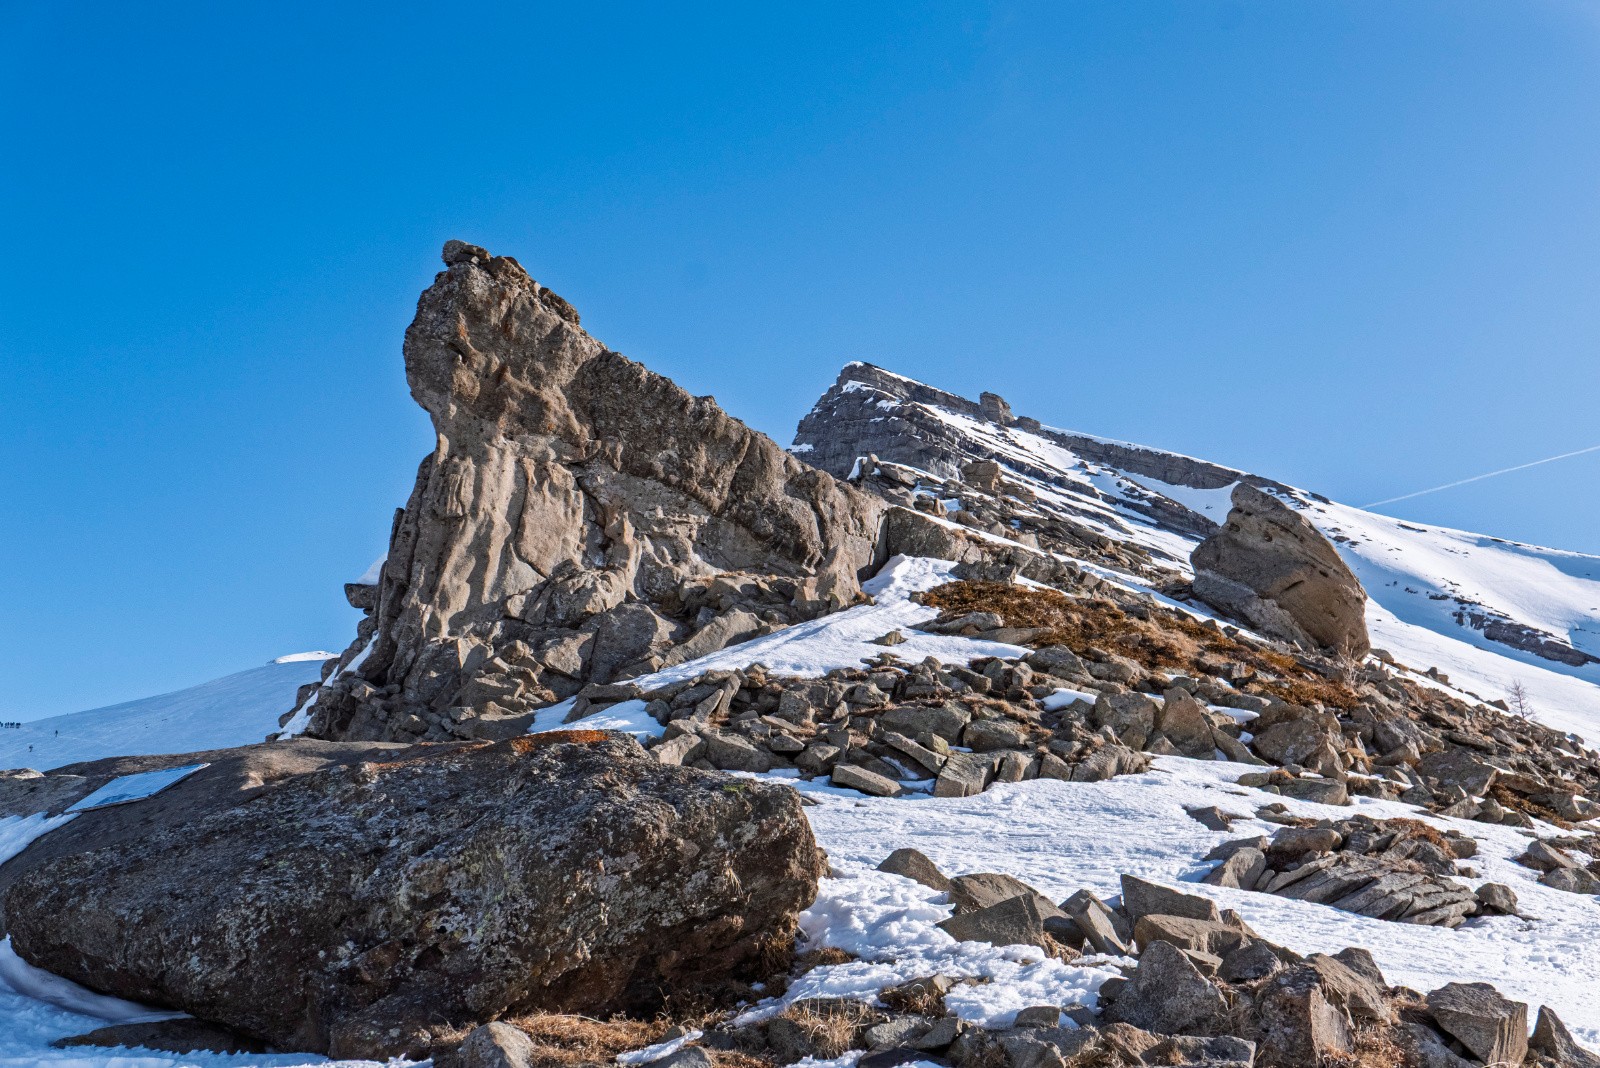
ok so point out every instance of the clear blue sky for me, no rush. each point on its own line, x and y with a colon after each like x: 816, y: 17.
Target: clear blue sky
x: 1353, y: 245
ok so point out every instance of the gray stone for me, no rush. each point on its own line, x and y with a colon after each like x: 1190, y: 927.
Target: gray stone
x: 495, y: 1045
x: 1212, y: 937
x: 855, y: 778
x: 946, y: 721
x: 1572, y: 880
x: 916, y: 866
x: 987, y: 735
x: 1142, y: 898
x: 1492, y: 1027
x: 1017, y: 922
x: 1321, y: 791
x: 1552, y: 1039
x: 1223, y: 1051
x: 1183, y: 720
x: 682, y: 750
x: 1296, y: 1024
x: 687, y: 1057
x: 1240, y: 870
x: 897, y: 1031
x: 569, y: 483
x: 734, y: 752
x: 1038, y: 1016
x: 1423, y: 1048
x: 1271, y: 567
x: 1130, y: 716
x: 1168, y: 994
x: 1349, y: 989
x: 1497, y: 897
x: 1109, y: 761
x: 963, y: 775
x: 1097, y: 923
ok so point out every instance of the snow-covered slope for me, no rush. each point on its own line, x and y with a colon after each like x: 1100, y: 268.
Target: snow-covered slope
x: 1492, y: 615
x: 234, y: 710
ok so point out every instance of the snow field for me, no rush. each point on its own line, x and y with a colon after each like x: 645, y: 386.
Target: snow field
x: 1061, y: 837
x: 234, y: 710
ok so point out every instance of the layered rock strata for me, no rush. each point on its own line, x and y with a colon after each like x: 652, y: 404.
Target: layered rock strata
x: 572, y: 522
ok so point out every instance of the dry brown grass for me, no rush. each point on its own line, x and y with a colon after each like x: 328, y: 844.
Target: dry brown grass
x: 1375, y: 1047
x: 918, y: 999
x: 821, y: 958
x: 833, y: 1028
x: 1166, y: 641
x: 1516, y: 802
x: 561, y: 1041
x: 1409, y: 828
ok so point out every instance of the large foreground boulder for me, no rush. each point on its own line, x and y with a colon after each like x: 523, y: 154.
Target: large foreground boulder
x: 365, y: 908
x: 1269, y: 566
x: 571, y: 523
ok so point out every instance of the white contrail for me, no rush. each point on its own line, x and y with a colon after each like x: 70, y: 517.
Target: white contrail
x: 1480, y: 478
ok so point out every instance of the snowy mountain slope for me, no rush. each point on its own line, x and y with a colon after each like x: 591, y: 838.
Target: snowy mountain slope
x: 1489, y: 613
x: 237, y: 709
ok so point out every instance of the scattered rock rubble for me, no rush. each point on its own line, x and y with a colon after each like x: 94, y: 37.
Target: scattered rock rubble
x: 1388, y: 869
x: 1199, y: 988
x: 1141, y: 680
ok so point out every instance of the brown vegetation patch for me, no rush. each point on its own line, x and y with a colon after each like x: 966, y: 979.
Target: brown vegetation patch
x: 832, y: 1026
x: 1526, y: 805
x: 1410, y: 828
x: 1161, y: 641
x: 527, y: 743
x: 563, y: 1041
x: 821, y: 958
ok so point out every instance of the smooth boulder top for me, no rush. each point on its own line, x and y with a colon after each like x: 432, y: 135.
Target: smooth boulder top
x: 1271, y: 567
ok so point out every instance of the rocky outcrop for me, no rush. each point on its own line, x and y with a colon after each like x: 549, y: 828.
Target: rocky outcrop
x: 420, y: 892
x: 1269, y: 566
x: 571, y: 521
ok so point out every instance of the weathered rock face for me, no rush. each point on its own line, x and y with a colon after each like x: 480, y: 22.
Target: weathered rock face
x: 558, y: 873
x: 1271, y: 567
x: 570, y: 519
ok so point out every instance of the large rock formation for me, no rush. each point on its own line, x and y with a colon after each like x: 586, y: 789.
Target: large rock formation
x: 365, y: 907
x: 1269, y: 566
x: 571, y: 523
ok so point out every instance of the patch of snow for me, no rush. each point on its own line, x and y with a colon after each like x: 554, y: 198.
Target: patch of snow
x: 659, y: 1050
x: 136, y: 787
x: 1062, y: 836
x: 235, y: 710
x: 373, y: 573
x: 318, y: 655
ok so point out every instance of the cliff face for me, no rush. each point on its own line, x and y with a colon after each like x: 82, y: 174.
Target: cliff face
x: 568, y: 523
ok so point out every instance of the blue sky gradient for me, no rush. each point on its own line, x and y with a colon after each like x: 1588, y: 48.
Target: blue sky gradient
x: 1351, y: 245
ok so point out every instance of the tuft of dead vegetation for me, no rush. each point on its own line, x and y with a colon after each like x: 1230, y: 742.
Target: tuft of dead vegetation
x: 566, y: 1041
x: 821, y: 958
x: 832, y: 1026
x: 1157, y: 640
x: 1515, y: 802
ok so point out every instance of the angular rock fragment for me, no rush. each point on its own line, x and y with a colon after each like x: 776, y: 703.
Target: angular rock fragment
x: 1477, y: 1015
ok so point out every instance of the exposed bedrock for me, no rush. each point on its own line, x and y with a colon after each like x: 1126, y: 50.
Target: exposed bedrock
x: 365, y: 907
x: 1270, y: 567
x: 572, y: 520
